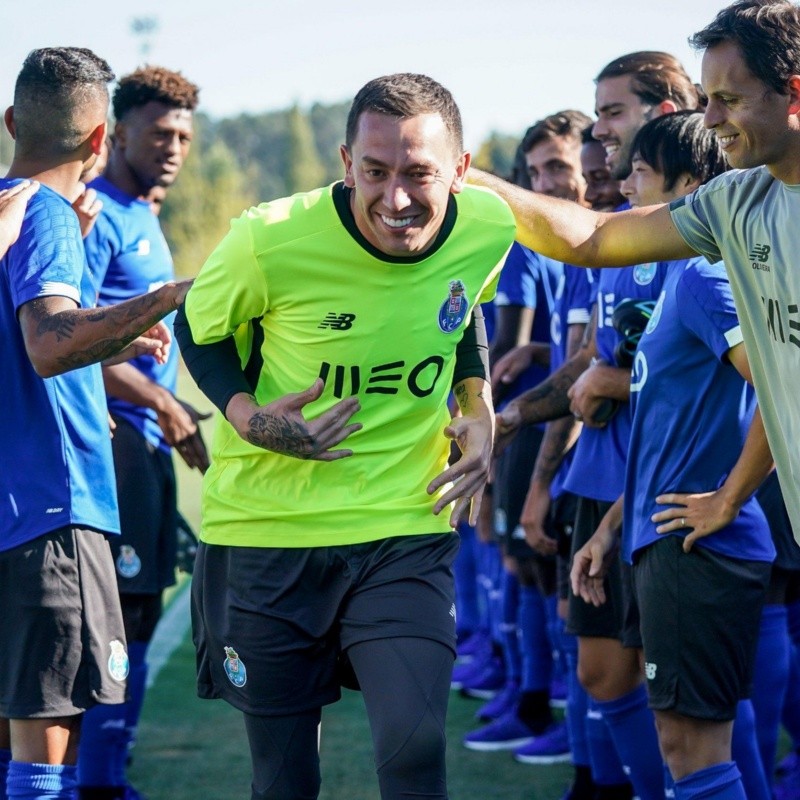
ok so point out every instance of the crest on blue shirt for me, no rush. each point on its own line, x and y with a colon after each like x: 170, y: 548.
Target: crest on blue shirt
x: 118, y: 664
x: 129, y: 565
x: 454, y: 310
x: 656, y: 315
x: 644, y: 273
x: 234, y: 668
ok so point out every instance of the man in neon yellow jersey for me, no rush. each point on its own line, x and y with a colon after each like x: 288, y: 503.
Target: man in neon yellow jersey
x: 347, y: 313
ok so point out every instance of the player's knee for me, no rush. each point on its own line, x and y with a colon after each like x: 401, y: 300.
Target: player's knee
x: 413, y: 760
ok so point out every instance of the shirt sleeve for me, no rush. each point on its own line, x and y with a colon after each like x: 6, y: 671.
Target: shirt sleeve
x: 231, y: 288
x: 48, y: 258
x: 517, y: 284
x: 691, y: 216
x: 705, y: 300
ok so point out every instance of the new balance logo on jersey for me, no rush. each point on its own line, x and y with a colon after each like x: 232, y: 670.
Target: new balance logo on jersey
x: 758, y: 257
x: 337, y: 322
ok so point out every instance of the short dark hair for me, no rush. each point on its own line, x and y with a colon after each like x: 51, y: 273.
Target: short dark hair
x: 679, y: 144
x: 53, y: 88
x: 151, y: 83
x: 655, y: 77
x: 587, y: 137
x: 568, y: 124
x: 405, y: 94
x: 767, y: 33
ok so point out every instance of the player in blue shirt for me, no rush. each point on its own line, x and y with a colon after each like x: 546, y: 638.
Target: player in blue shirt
x: 128, y: 255
x: 62, y: 644
x: 696, y: 446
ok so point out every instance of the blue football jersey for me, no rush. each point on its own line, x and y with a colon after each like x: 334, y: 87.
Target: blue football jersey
x: 530, y: 281
x: 573, y: 306
x: 598, y: 465
x: 691, y: 411
x: 56, y: 443
x: 128, y: 256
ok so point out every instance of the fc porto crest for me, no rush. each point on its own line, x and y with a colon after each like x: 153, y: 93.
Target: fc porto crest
x: 644, y: 273
x: 129, y: 565
x: 454, y: 310
x: 118, y: 664
x: 656, y: 315
x: 234, y: 668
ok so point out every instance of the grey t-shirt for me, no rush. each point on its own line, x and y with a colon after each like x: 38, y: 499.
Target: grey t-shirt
x: 751, y: 221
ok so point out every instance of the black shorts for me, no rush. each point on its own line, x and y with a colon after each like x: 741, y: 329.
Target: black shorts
x: 584, y: 619
x: 700, y: 615
x: 562, y: 524
x: 512, y: 478
x: 770, y: 498
x: 144, y: 554
x: 271, y: 624
x: 62, y: 644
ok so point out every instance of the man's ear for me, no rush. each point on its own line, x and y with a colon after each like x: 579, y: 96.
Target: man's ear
x: 664, y: 107
x: 794, y: 94
x: 9, y: 120
x: 97, y: 137
x: 349, y: 182
x: 120, y: 137
x: 462, y: 166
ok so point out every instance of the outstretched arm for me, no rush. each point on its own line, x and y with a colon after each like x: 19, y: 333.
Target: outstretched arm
x: 59, y: 336
x: 567, y: 232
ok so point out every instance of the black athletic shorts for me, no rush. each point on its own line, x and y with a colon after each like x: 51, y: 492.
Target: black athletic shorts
x: 562, y: 525
x: 271, y: 624
x: 62, y: 643
x: 770, y: 498
x: 700, y: 615
x: 584, y: 619
x: 144, y: 555
x: 512, y: 478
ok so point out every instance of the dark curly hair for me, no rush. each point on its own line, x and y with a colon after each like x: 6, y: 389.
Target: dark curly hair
x: 150, y: 83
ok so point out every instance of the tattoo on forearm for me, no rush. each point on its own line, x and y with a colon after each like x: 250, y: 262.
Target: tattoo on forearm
x: 121, y: 325
x: 280, y: 435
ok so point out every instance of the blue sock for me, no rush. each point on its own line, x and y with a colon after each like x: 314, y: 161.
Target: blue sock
x: 40, y: 781
x: 745, y: 753
x: 770, y: 678
x: 491, y: 573
x: 537, y: 661
x: 633, y: 730
x: 577, y: 703
x: 103, y: 750
x: 5, y: 759
x: 509, y: 625
x: 555, y: 631
x: 790, y: 714
x: 137, y: 684
x: 465, y: 571
x: 720, y: 782
x: 606, y: 767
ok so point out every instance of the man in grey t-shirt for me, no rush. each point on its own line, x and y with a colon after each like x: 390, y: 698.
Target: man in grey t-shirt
x: 751, y: 74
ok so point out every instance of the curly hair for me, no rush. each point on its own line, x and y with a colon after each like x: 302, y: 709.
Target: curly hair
x: 150, y: 83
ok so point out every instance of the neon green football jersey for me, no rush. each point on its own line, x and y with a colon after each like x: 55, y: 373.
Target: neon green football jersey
x: 382, y: 328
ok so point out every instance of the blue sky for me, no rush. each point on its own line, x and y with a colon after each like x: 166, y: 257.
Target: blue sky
x: 508, y: 62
